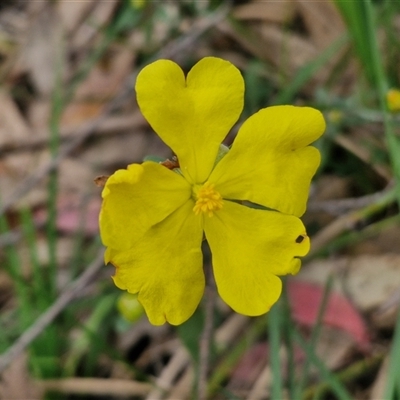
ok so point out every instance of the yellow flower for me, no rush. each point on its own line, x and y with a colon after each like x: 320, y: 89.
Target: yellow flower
x: 138, y: 3
x: 393, y: 100
x: 153, y: 218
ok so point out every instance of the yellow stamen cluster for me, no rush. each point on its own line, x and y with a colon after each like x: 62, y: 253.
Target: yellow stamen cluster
x: 208, y: 200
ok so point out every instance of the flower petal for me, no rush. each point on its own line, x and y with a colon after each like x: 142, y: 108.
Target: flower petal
x: 136, y: 198
x: 249, y: 248
x: 165, y: 267
x: 193, y: 116
x: 268, y: 163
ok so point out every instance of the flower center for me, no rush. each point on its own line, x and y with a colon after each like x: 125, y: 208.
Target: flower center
x: 208, y: 199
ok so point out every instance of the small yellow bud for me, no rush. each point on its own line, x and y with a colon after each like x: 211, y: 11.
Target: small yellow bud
x: 393, y: 100
x: 335, y: 116
x: 138, y: 3
x: 129, y: 307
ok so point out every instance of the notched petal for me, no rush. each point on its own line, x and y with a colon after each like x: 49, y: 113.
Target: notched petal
x: 164, y: 268
x: 250, y: 249
x: 191, y: 115
x: 270, y: 162
x: 136, y: 199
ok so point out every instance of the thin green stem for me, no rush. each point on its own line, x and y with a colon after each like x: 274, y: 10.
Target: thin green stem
x: 38, y: 283
x: 315, y: 335
x: 274, y: 330
x: 335, y: 385
x: 355, y: 371
x: 13, y: 266
x: 287, y: 326
x: 392, y: 383
x: 226, y: 366
x: 51, y: 228
x: 206, y: 337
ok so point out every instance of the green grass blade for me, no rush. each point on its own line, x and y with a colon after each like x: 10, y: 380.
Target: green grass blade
x: 13, y: 268
x: 392, y: 384
x: 51, y: 225
x: 40, y: 296
x: 315, y: 333
x: 274, y: 331
x: 336, y: 386
x: 354, y: 14
x: 290, y: 345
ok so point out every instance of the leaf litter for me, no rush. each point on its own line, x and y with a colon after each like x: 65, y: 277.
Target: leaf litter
x: 42, y: 43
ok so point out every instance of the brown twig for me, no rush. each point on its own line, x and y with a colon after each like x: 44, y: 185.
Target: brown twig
x: 34, y: 179
x: 110, y: 125
x: 363, y: 154
x: 341, y: 206
x: 354, y: 371
x: 175, y: 366
x: 225, y: 335
x: 95, y: 386
x: 348, y: 221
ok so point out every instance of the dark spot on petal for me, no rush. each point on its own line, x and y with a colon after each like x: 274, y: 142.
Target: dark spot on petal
x: 300, y: 238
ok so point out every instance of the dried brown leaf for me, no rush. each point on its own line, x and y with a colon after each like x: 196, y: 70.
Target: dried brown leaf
x: 77, y: 113
x: 107, y: 76
x: 75, y: 176
x: 271, y: 11
x: 14, y: 168
x: 43, y: 56
x: 122, y: 149
x: 74, y: 13
x: 17, y: 384
x: 379, y: 385
x: 285, y: 48
x: 370, y: 281
x: 288, y: 51
x: 13, y: 127
x: 89, y: 29
x: 249, y: 367
x: 323, y: 21
x: 101, y: 85
x: 386, y: 241
x: 38, y: 116
x: 249, y: 39
x: 329, y: 187
x: 334, y: 347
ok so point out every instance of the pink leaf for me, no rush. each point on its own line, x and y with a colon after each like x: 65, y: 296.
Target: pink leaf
x: 250, y: 365
x: 72, y: 216
x: 305, y: 301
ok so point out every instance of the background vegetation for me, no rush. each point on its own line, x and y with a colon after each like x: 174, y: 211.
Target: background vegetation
x: 68, y: 114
